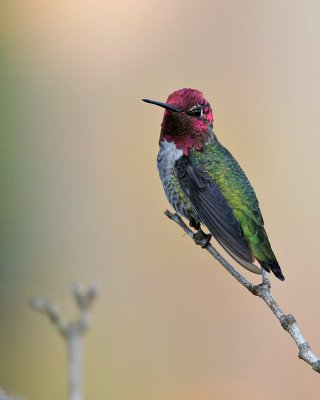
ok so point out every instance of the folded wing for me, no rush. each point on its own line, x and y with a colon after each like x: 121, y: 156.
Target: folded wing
x: 214, y: 211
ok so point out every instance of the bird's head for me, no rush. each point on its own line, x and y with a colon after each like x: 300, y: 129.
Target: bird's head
x: 187, y: 119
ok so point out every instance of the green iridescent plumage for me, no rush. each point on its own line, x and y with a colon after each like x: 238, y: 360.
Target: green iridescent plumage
x: 237, y: 190
x: 204, y: 183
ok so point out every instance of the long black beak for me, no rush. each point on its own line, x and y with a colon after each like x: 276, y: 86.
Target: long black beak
x: 167, y: 106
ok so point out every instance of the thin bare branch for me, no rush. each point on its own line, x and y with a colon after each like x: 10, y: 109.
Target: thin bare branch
x: 263, y: 291
x: 52, y: 312
x: 72, y: 332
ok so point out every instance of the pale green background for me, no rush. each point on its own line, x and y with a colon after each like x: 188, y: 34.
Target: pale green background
x: 81, y: 198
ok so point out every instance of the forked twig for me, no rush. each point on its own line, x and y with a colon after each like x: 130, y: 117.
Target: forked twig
x: 72, y: 332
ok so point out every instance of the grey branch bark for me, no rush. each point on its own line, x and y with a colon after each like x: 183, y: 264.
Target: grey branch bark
x: 287, y: 321
x: 72, y: 332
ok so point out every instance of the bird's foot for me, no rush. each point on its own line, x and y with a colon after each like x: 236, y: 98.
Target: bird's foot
x: 201, y: 238
x: 194, y: 223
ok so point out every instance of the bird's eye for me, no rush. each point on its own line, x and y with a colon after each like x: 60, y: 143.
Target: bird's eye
x: 196, y: 112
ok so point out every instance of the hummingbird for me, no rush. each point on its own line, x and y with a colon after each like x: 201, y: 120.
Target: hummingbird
x: 205, y: 184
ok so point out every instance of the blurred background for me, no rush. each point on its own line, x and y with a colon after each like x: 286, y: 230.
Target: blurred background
x: 81, y: 198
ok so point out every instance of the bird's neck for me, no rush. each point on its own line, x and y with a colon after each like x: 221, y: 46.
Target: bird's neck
x: 194, y: 140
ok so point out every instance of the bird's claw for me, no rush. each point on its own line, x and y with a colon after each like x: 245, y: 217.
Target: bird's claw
x: 201, y: 238
x: 194, y: 223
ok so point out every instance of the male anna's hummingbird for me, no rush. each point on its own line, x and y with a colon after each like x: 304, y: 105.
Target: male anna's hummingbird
x: 205, y: 184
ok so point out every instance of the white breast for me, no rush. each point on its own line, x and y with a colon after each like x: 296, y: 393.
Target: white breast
x: 167, y: 156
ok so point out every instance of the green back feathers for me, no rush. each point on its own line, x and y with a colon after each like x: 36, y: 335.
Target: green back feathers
x: 237, y: 190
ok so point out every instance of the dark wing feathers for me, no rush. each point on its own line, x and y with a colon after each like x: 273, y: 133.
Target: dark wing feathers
x: 213, y: 209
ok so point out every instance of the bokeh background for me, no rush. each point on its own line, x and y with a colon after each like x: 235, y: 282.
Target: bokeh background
x: 81, y: 199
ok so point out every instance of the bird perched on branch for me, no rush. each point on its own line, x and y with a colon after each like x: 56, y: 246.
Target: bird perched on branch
x: 205, y: 184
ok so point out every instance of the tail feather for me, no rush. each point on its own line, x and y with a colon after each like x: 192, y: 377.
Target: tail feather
x: 274, y: 267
